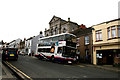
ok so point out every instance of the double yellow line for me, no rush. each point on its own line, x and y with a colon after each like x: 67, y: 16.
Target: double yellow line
x: 19, y: 71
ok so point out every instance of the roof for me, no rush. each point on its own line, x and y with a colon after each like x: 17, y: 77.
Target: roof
x: 53, y: 18
x: 108, y: 21
x: 80, y: 32
x: 62, y: 20
x: 30, y: 38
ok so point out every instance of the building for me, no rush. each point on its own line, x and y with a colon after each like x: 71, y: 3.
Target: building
x: 1, y: 44
x: 84, y: 43
x: 22, y: 45
x: 58, y: 26
x: 106, y: 42
x: 28, y: 46
x: 15, y: 43
x: 35, y: 42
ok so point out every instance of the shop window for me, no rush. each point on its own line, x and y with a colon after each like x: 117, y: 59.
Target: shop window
x: 118, y: 55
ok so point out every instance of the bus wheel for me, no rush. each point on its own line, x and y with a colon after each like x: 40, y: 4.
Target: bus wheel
x: 52, y: 58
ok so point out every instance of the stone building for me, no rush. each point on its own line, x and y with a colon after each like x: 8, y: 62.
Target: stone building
x: 58, y: 26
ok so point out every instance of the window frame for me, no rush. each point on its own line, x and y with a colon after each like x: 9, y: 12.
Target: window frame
x: 118, y: 29
x: 98, y: 32
x: 113, y: 29
x: 109, y: 32
x: 87, y: 40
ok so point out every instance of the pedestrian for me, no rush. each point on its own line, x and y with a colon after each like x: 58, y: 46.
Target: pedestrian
x: 87, y: 59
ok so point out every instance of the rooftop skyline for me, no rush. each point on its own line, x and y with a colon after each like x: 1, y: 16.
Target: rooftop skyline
x: 26, y: 18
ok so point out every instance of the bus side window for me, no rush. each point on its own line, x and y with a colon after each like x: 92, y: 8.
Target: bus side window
x: 59, y: 50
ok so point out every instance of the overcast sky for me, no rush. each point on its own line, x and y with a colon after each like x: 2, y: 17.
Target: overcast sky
x: 26, y: 18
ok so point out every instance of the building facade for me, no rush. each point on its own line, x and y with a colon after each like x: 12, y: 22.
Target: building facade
x: 84, y: 44
x: 28, y: 46
x: 22, y: 45
x: 35, y: 42
x: 15, y: 43
x: 58, y: 26
x: 106, y: 42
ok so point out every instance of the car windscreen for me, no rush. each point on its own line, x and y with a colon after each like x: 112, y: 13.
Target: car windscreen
x: 10, y: 50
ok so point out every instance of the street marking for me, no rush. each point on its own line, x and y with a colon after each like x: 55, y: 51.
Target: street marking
x: 84, y: 76
x: 108, y: 65
x: 81, y: 66
x: 66, y: 65
x: 19, y: 71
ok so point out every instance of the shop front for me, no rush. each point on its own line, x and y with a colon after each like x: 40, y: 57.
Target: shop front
x: 108, y: 57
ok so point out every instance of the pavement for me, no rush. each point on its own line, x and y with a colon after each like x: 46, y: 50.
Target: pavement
x: 104, y: 67
x: 6, y: 73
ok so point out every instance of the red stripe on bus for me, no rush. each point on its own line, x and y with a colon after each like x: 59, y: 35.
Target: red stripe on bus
x: 60, y: 57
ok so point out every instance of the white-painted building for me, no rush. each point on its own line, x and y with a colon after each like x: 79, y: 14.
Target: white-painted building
x: 15, y: 43
x: 35, y: 42
x: 28, y: 44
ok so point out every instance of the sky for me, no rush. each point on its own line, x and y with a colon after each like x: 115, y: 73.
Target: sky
x: 26, y: 18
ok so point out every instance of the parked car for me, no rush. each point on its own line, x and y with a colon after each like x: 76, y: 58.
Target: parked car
x: 10, y: 54
x: 22, y: 53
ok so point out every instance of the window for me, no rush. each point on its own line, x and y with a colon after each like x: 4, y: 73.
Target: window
x: 51, y: 31
x: 86, y: 40
x: 64, y: 30
x: 56, y: 30
x: 118, y: 28
x: 113, y: 31
x: 98, y: 35
x: 78, y: 41
x: 109, y: 33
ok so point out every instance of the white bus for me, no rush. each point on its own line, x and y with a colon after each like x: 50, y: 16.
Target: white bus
x: 61, y: 47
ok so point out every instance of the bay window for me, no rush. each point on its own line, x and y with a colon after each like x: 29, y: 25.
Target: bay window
x: 118, y: 29
x: 109, y: 33
x: 113, y: 31
x: 98, y: 35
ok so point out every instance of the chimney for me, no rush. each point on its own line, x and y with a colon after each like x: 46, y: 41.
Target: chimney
x: 24, y: 39
x: 45, y: 29
x: 82, y: 26
x: 68, y: 19
x: 40, y: 32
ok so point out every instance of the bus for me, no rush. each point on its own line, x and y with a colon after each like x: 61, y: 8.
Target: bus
x: 10, y: 54
x: 60, y: 47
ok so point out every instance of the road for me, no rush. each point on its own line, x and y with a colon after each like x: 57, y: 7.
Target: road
x: 36, y: 68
